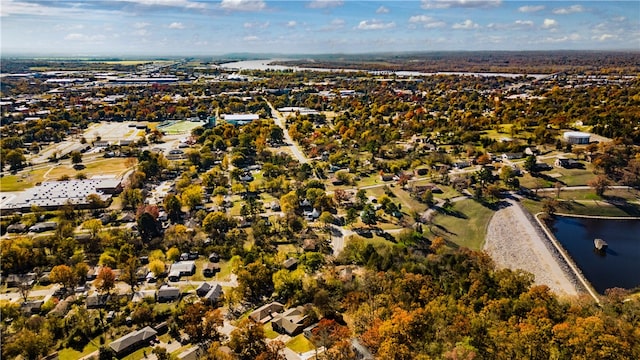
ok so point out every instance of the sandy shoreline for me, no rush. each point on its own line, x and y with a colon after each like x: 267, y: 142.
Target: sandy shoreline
x: 515, y: 241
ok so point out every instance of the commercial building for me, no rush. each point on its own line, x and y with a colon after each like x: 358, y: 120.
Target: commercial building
x: 51, y: 195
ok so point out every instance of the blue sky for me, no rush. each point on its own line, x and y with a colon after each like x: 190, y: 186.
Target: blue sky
x: 199, y: 27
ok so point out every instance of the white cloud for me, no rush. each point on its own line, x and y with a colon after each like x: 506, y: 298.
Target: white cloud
x: 466, y: 25
x: 565, y: 38
x: 375, y: 25
x: 254, y: 25
x: 324, y: 4
x: 619, y: 19
x: 446, y: 4
x: 61, y: 9
x: 382, y: 10
x: 549, y: 24
x: 291, y: 23
x: 523, y: 23
x: 518, y: 24
x: 142, y: 32
x: 335, y: 24
x: 251, y: 38
x: 569, y: 10
x: 84, y: 37
x: 604, y: 37
x: 68, y: 27
x: 176, y: 25
x: 426, y: 21
x: 172, y: 3
x: 141, y: 25
x: 243, y: 5
x: 531, y: 8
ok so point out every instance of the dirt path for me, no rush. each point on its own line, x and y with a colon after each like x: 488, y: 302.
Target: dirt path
x: 514, y: 241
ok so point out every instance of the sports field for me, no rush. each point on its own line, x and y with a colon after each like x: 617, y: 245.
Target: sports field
x: 180, y: 127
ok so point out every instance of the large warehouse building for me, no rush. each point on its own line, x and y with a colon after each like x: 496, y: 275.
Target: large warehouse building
x: 577, y: 137
x: 50, y: 195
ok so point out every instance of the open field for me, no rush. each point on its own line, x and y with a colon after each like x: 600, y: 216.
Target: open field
x: 113, y: 166
x: 466, y: 227
x: 180, y: 127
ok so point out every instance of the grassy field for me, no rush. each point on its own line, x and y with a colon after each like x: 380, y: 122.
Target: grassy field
x: 468, y: 227
x: 113, y: 166
x: 72, y: 354
x: 181, y: 127
x: 300, y: 344
x: 597, y: 207
x: 269, y: 332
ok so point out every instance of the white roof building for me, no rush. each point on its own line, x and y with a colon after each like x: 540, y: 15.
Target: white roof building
x: 53, y: 194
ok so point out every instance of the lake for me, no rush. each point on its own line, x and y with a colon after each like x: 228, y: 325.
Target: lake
x: 618, y: 265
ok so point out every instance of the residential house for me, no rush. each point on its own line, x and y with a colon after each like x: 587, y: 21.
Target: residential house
x: 291, y: 322
x: 566, y: 163
x: 210, y: 269
x: 214, y: 294
x: 180, y: 269
x: 132, y: 341
x: 31, y: 306
x: 167, y: 293
x: 266, y: 312
x: 97, y: 301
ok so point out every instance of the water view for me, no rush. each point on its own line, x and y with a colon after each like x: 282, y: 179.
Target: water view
x: 616, y: 266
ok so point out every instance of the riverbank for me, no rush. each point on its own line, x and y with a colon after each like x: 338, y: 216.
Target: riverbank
x: 515, y: 240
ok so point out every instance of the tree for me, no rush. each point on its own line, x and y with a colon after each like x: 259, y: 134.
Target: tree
x: 368, y: 215
x: 29, y: 344
x: 161, y: 353
x: 530, y: 163
x: 201, y: 323
x: 157, y: 267
x: 248, y: 340
x: 192, y: 196
x: 173, y: 254
x: 352, y: 216
x: 289, y: 202
x: 105, y: 280
x: 217, y: 224
x: 64, y: 275
x: 148, y: 226
x: 76, y: 157
x: 329, y: 332
x: 94, y: 226
x: 173, y: 206
x: 130, y: 272
x: 600, y: 184
x: 549, y: 206
x: 132, y: 198
x: 15, y: 159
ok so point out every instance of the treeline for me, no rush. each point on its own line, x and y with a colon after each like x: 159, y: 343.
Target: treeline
x: 531, y: 62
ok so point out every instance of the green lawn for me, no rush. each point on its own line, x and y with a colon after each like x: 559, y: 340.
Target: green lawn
x: 269, y: 332
x: 300, y: 344
x: 586, y: 207
x: 467, y: 229
x: 72, y: 354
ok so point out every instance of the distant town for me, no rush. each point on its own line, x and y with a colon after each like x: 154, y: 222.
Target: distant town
x: 294, y: 209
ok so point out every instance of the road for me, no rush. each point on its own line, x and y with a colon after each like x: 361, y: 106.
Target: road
x: 280, y: 121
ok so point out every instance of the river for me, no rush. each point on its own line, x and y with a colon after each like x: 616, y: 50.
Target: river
x: 618, y: 265
x: 266, y: 65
